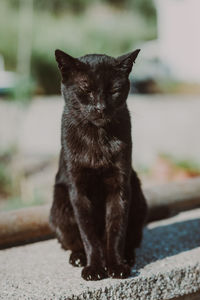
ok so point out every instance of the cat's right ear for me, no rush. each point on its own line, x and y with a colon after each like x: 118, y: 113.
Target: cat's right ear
x: 65, y: 61
x: 126, y: 61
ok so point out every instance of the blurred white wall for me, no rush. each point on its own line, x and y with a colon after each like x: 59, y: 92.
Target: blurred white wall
x: 179, y: 37
x: 160, y: 124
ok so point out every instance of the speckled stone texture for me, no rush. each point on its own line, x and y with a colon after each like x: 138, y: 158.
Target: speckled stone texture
x: 167, y: 266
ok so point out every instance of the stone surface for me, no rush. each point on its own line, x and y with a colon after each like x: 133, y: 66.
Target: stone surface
x: 167, y: 266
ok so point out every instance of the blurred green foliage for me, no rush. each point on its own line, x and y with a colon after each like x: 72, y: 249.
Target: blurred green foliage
x: 186, y: 164
x: 57, y: 6
x: 23, y: 90
x: 77, y: 27
x: 5, y: 176
x: 5, y: 181
x: 10, y: 184
x: 16, y: 203
x: 144, y: 7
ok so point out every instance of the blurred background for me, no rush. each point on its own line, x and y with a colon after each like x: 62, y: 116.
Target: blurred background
x: 164, y: 99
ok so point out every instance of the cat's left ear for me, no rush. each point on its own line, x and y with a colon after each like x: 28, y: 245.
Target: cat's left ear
x: 125, y: 62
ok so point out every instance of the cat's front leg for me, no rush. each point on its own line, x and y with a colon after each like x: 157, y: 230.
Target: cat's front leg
x: 117, y: 207
x: 83, y: 211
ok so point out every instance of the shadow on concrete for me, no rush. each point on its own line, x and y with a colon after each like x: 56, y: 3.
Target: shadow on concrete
x: 167, y: 240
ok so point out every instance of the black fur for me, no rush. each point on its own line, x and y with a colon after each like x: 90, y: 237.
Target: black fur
x: 99, y: 209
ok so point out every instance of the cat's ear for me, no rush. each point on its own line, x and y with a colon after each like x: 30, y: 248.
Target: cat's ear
x: 125, y: 62
x: 65, y: 61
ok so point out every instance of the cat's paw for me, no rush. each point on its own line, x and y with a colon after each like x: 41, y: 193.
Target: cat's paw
x: 130, y: 259
x: 77, y: 259
x: 94, y: 273
x: 119, y: 271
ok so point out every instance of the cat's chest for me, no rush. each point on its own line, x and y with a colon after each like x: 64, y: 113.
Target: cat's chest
x: 95, y: 148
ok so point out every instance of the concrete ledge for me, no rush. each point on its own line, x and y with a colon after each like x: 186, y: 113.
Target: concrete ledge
x: 167, y: 267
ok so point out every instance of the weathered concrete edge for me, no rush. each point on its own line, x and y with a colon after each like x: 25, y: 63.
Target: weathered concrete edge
x: 193, y: 296
x: 150, y: 287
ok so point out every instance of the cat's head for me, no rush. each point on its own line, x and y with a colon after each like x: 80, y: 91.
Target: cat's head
x: 95, y: 85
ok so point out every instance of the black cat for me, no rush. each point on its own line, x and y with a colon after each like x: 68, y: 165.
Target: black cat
x: 99, y: 209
